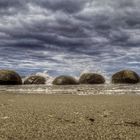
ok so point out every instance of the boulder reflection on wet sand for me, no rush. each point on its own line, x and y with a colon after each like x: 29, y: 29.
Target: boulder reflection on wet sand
x: 65, y: 80
x: 9, y: 77
x: 91, y: 78
x: 125, y: 76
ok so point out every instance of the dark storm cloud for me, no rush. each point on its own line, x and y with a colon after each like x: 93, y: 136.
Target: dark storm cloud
x: 69, y: 6
x: 69, y: 34
x: 11, y: 7
x: 6, y: 4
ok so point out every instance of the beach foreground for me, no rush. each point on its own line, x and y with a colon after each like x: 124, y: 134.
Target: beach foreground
x: 69, y: 117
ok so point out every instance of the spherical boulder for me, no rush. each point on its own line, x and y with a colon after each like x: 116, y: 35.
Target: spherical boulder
x: 91, y: 78
x: 125, y: 76
x: 34, y: 79
x: 64, y: 80
x: 9, y: 77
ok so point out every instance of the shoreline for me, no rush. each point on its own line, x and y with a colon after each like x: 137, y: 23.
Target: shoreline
x: 111, y: 89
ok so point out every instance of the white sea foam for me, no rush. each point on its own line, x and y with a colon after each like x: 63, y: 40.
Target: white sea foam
x: 105, y: 89
x: 46, y: 75
x: 49, y: 78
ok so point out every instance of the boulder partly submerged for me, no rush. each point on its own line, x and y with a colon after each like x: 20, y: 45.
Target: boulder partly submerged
x: 9, y: 77
x: 65, y: 80
x: 125, y: 76
x: 34, y: 79
x: 91, y: 78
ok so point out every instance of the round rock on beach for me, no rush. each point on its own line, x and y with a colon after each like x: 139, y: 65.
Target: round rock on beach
x: 37, y: 80
x: 91, y: 78
x: 9, y: 77
x: 65, y: 80
x: 125, y: 76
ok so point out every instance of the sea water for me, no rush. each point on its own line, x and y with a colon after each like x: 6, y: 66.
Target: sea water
x: 48, y: 88
x: 104, y: 89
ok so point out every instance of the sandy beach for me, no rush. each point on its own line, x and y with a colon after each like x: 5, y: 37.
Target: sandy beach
x: 69, y: 117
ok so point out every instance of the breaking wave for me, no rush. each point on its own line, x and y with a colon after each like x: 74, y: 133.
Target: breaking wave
x: 103, y: 89
x: 50, y: 78
x: 44, y: 74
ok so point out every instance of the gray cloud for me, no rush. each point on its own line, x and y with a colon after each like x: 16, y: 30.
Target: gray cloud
x: 69, y: 6
x: 69, y: 35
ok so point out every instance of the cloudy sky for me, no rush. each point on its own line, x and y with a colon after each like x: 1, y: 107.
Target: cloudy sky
x: 69, y: 36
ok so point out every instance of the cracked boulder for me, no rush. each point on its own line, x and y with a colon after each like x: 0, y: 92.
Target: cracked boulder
x: 36, y: 80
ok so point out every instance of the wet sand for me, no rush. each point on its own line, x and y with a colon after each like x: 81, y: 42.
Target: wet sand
x: 69, y: 117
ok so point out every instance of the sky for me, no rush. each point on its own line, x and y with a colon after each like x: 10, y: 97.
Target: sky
x: 69, y: 36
